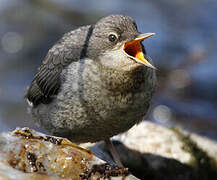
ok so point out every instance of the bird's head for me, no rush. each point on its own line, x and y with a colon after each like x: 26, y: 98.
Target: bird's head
x: 118, y: 44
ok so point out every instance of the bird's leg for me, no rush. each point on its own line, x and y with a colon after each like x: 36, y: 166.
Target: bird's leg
x: 113, y: 152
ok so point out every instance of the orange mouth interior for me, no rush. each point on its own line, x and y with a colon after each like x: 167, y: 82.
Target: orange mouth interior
x: 134, y: 49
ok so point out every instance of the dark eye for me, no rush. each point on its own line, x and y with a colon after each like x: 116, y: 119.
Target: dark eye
x: 112, y: 37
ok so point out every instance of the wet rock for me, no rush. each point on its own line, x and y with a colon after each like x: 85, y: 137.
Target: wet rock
x: 155, y: 152
x: 150, y: 151
x: 27, y: 154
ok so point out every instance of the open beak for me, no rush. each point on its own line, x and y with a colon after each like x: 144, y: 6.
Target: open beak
x: 133, y: 49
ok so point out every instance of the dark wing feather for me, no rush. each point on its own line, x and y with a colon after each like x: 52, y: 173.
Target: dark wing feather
x: 47, y: 80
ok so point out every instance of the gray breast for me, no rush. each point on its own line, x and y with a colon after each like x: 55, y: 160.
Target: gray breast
x: 94, y: 104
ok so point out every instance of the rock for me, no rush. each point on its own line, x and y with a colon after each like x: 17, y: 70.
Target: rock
x: 27, y: 154
x: 155, y: 152
x: 150, y: 151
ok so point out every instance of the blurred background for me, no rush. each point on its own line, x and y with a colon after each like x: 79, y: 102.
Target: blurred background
x: 184, y: 50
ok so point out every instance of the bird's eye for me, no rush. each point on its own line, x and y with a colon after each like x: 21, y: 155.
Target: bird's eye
x: 112, y: 37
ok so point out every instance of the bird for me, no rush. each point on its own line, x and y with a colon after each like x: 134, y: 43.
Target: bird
x: 97, y: 81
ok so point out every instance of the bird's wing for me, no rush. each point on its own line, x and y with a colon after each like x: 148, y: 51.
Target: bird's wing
x: 46, y: 82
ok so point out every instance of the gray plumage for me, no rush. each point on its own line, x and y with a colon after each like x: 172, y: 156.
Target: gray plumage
x: 86, y: 89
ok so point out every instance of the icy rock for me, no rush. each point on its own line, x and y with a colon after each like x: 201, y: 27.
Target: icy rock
x: 27, y: 154
x: 151, y: 151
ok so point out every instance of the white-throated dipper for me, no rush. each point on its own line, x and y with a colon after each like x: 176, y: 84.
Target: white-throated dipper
x: 95, y: 82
